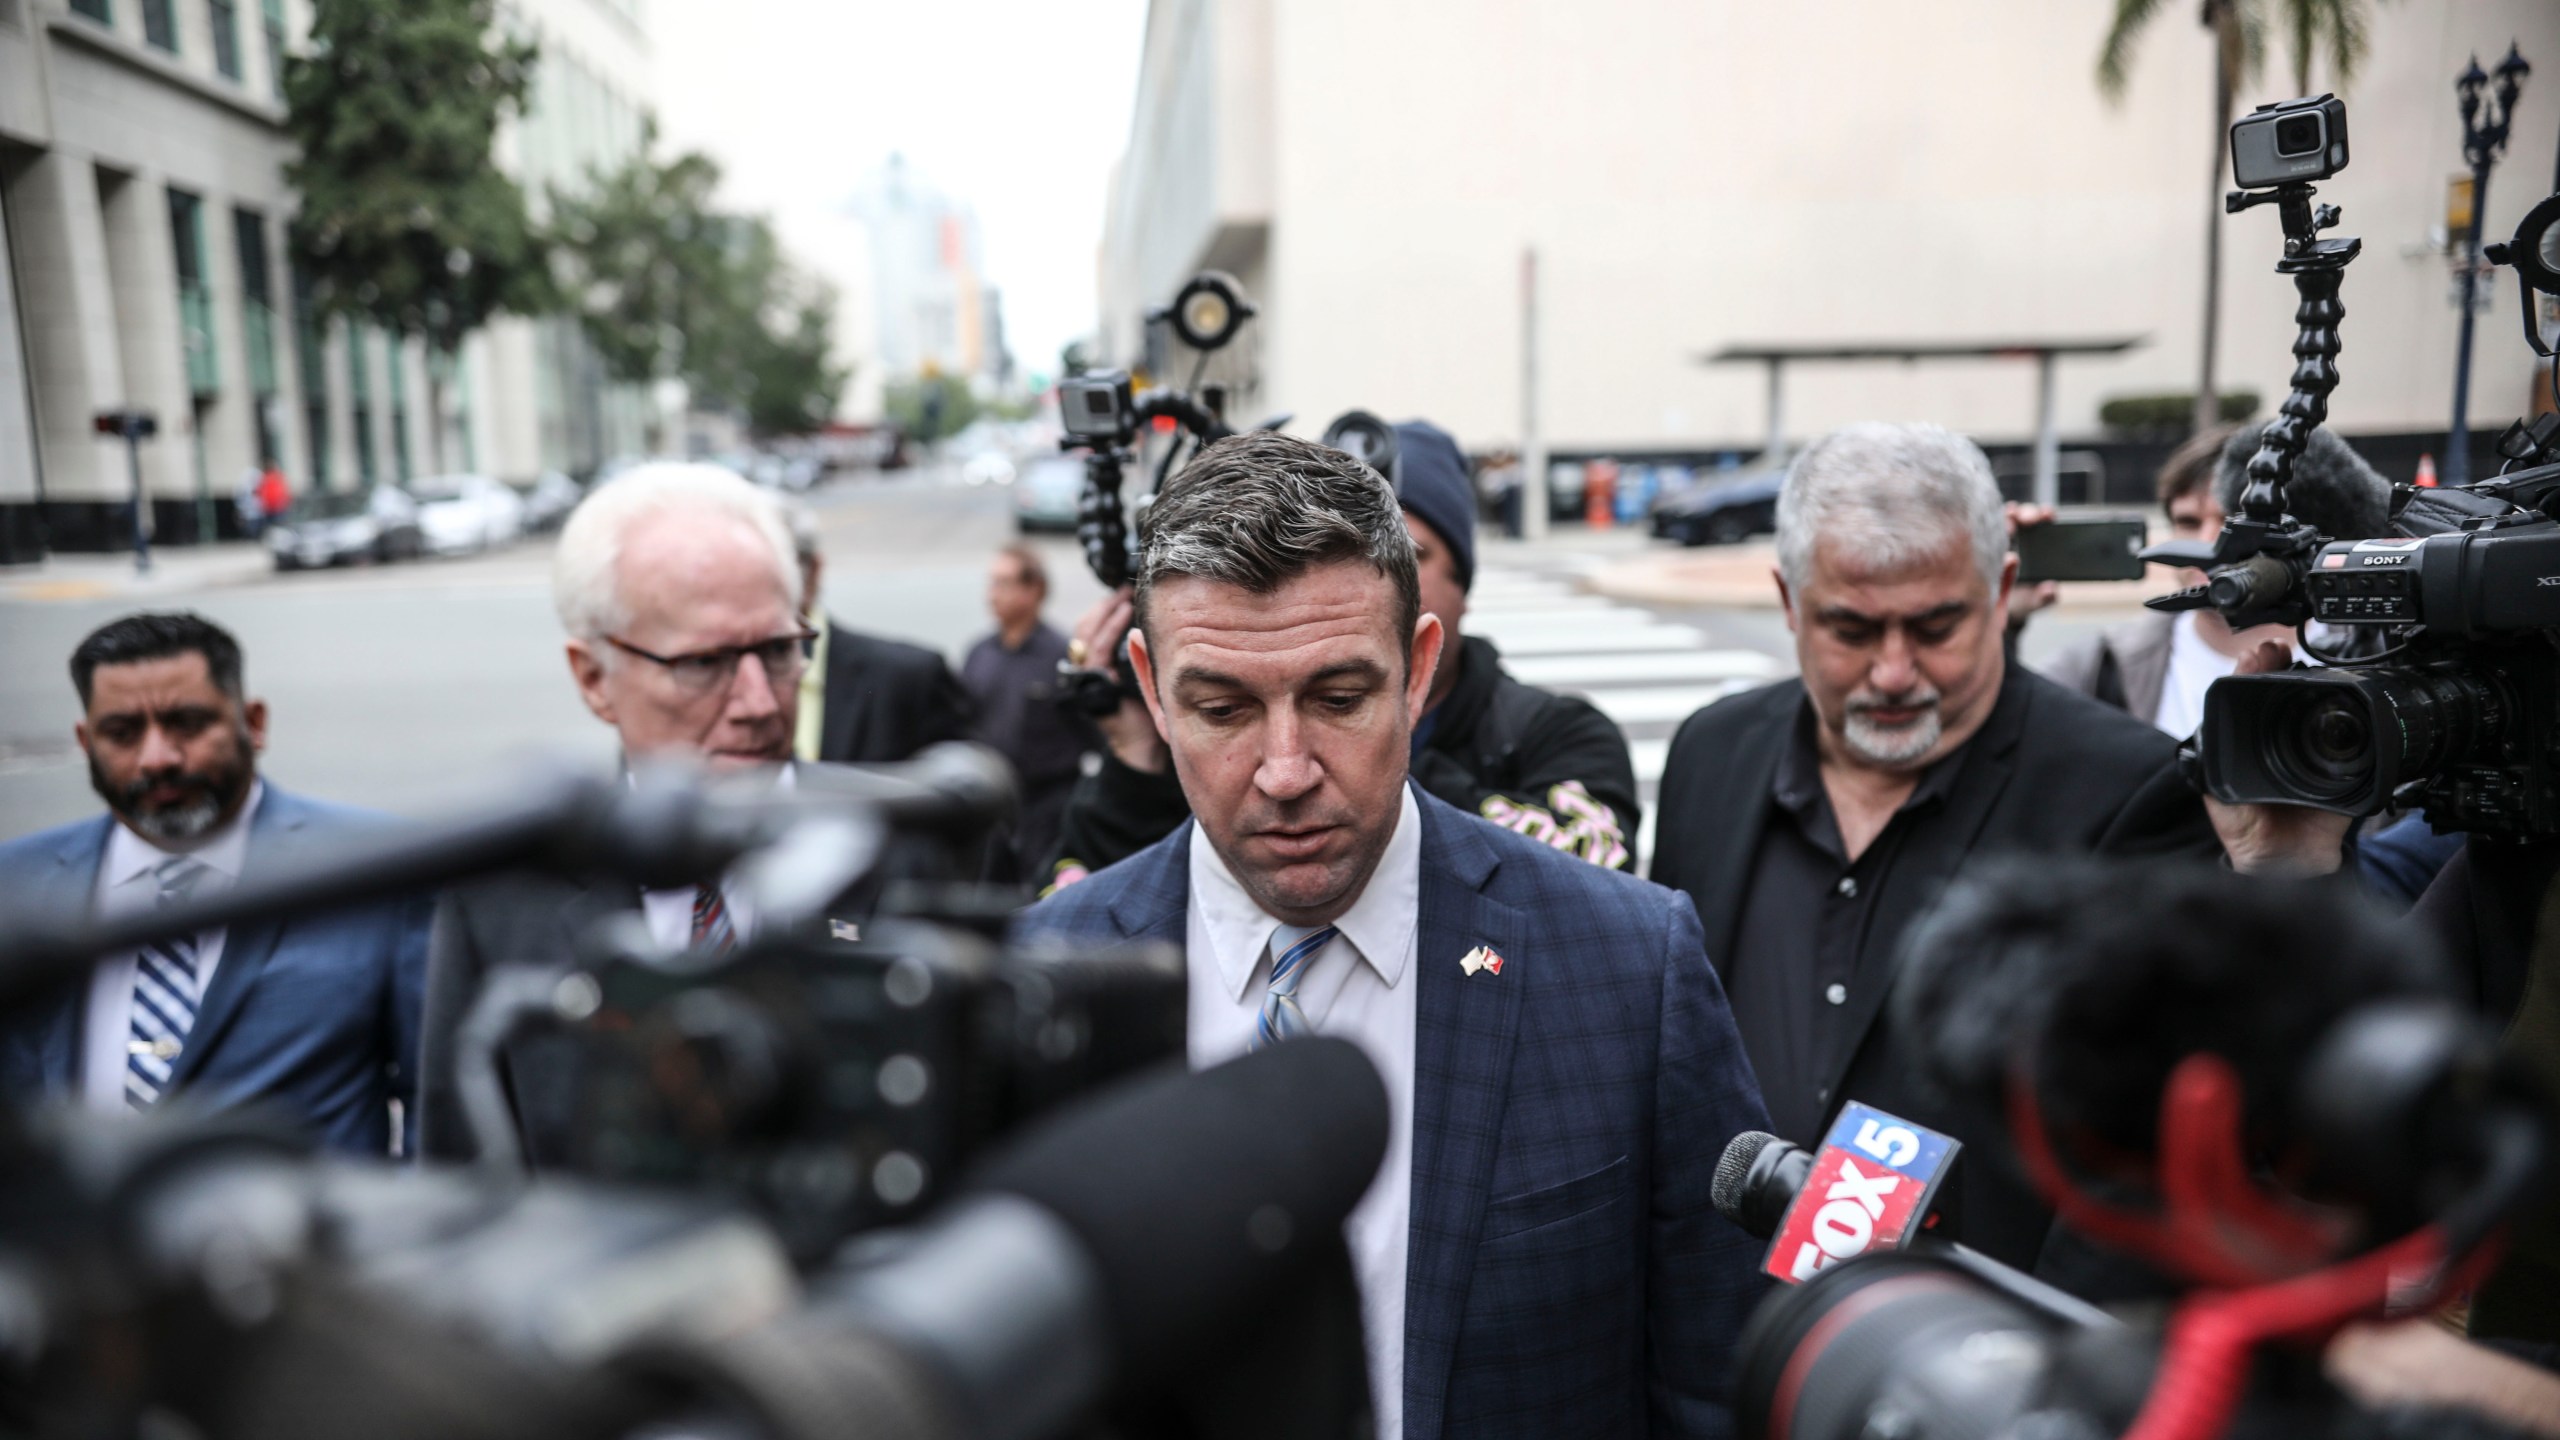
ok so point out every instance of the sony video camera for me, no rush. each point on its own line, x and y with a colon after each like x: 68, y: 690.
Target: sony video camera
x: 2446, y: 698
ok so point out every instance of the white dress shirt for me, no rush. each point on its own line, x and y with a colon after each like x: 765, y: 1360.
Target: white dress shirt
x: 670, y: 912
x: 126, y: 884
x: 1360, y: 987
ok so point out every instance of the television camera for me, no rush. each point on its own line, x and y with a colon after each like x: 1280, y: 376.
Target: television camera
x: 2446, y: 697
x: 918, y: 1183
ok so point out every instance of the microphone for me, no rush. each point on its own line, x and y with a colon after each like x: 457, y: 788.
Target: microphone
x: 1107, y: 1251
x: 2332, y: 490
x: 951, y: 787
x: 1867, y: 1188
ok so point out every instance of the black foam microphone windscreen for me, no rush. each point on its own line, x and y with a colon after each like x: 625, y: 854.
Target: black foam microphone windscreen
x: 1197, y: 1196
x: 2333, y: 490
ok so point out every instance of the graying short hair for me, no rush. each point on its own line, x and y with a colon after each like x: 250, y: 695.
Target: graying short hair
x: 1890, y: 496
x: 584, y: 588
x: 1257, y: 511
x: 802, y: 522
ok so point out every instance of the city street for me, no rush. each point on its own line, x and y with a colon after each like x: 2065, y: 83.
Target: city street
x: 418, y: 687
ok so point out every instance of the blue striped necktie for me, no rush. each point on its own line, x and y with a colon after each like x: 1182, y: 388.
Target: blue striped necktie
x: 1281, y: 1017
x: 166, y: 991
x: 712, y: 927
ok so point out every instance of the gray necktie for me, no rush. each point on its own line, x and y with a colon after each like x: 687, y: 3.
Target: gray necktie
x: 166, y: 991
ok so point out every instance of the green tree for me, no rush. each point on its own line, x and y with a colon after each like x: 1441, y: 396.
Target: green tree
x: 405, y: 218
x: 930, y: 407
x: 793, y: 382
x: 2239, y: 27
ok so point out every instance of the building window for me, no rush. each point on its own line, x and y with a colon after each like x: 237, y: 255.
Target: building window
x: 94, y: 9
x: 399, y: 388
x: 311, y: 358
x: 360, y: 404
x: 226, y: 37
x: 160, y: 24
x: 257, y: 300
x: 272, y: 11
x: 195, y: 295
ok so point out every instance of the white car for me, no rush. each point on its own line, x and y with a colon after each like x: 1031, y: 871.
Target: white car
x: 466, y: 514
x: 987, y: 467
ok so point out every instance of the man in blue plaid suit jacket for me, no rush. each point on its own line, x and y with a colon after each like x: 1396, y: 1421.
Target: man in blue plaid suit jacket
x: 1567, y: 1071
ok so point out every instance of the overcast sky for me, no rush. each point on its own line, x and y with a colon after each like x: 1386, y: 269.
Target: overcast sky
x: 1017, y: 107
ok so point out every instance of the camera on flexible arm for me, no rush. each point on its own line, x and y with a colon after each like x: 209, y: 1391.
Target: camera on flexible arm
x: 2445, y: 697
x: 1105, y: 415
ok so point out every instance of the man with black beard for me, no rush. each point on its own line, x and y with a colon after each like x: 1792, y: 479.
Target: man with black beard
x: 313, y: 1018
x: 1812, y: 821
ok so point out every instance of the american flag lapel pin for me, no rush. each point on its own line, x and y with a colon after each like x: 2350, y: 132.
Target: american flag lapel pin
x: 1482, y: 959
x: 844, y: 930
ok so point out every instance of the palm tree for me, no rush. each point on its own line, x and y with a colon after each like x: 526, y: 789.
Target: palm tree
x: 2239, y: 28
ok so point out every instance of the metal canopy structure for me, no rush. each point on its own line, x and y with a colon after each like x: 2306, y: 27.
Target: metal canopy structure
x: 2048, y: 442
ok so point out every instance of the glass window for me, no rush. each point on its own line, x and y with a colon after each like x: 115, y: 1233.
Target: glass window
x: 195, y: 296
x: 160, y: 24
x: 273, y: 13
x: 257, y: 300
x: 397, y: 375
x: 226, y: 37
x: 94, y: 9
x: 360, y: 388
x: 310, y: 353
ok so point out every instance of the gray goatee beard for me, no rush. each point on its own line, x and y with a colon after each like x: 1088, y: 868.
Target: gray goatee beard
x: 1892, y: 745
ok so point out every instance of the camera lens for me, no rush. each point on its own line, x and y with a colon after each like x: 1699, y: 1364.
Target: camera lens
x: 2298, y: 135
x: 2320, y: 744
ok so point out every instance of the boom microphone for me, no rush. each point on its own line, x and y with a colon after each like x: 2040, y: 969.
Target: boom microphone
x: 1867, y: 1188
x: 2332, y: 490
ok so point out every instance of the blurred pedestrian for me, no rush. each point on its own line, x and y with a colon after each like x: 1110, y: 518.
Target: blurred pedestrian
x: 679, y: 590
x: 1814, y: 819
x: 1537, y: 1256
x: 1548, y: 766
x: 313, y: 1019
x: 865, y: 699
x: 1012, y: 680
x: 274, y: 495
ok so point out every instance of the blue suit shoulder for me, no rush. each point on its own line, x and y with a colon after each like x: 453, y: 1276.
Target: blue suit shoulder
x: 1156, y: 881
x: 1609, y: 916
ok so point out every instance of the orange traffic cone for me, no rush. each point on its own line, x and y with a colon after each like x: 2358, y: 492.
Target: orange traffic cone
x: 2426, y: 472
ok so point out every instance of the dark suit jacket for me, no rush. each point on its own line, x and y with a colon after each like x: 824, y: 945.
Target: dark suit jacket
x: 886, y: 700
x: 1566, y: 1274
x: 313, y: 1018
x: 2125, y: 665
x: 2050, y: 772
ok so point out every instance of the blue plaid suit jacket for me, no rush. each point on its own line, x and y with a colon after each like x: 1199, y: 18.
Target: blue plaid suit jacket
x: 1566, y: 1274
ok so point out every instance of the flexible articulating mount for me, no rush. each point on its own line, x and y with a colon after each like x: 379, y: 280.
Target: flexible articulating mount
x: 2317, y: 266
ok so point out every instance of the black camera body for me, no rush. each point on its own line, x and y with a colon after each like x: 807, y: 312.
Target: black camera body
x: 2461, y: 721
x: 2289, y: 143
x: 838, y: 1084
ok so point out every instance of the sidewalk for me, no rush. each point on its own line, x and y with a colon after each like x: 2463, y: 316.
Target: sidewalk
x: 174, y: 569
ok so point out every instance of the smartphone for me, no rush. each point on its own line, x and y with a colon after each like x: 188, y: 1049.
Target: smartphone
x: 2081, y: 549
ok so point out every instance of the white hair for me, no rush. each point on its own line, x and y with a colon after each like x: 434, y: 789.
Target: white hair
x: 1890, y: 496
x: 584, y: 587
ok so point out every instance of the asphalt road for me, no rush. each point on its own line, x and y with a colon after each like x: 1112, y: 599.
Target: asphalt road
x: 416, y: 688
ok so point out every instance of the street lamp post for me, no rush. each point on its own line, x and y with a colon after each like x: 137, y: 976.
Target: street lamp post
x: 2483, y: 136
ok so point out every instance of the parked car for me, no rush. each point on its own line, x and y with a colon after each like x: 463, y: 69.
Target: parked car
x: 466, y: 514
x: 1721, y: 510
x: 1045, y: 494
x: 987, y: 467
x: 549, y: 500
x: 340, y: 527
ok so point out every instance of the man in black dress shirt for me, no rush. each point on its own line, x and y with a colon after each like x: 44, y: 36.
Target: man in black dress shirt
x: 1813, y: 820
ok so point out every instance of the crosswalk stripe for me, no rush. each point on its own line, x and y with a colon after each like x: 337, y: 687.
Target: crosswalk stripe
x: 1648, y: 756
x: 1574, y: 672
x: 1591, y: 624
x: 1654, y: 705
x: 1501, y: 602
x: 1567, y: 642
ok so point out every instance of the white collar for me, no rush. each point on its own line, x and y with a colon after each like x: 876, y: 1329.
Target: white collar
x: 224, y: 851
x: 1379, y: 925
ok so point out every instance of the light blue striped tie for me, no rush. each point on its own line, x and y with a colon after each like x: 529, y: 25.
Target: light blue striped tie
x: 166, y: 991
x: 1281, y: 1017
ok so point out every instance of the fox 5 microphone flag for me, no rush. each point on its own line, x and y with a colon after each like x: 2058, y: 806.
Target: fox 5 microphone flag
x: 1870, y: 1189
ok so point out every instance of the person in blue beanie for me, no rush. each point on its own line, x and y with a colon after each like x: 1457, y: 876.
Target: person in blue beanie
x: 1547, y: 766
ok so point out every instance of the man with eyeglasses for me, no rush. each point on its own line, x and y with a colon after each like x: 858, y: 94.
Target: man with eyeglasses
x: 681, y: 598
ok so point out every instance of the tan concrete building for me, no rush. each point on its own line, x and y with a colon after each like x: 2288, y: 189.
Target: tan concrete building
x: 143, y: 214
x: 1696, y: 175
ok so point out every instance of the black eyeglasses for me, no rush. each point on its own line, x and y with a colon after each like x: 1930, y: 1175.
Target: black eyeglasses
x: 701, y: 672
